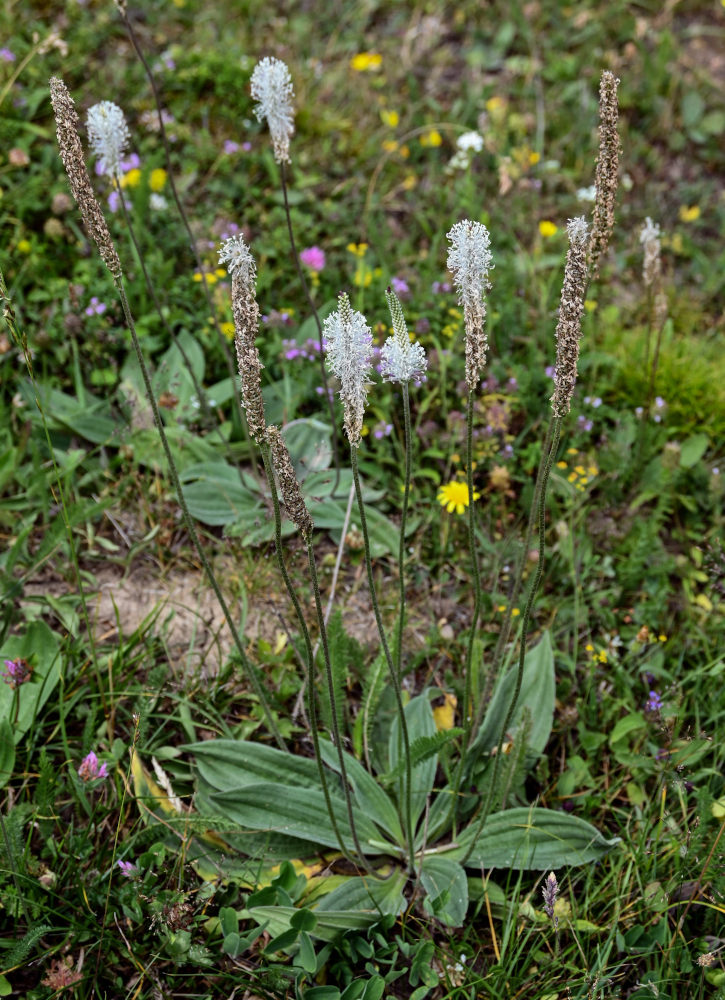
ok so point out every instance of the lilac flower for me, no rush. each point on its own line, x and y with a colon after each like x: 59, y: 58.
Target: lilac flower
x: 231, y: 147
x: 584, y: 423
x: 7, y: 56
x: 313, y: 258
x: 512, y: 385
x: 440, y: 287
x: 653, y: 703
x: 96, y: 307
x: 16, y: 672
x: 128, y: 869
x: 400, y: 287
x: 114, y: 201
x: 382, y: 430
x: 91, y: 769
x: 550, y: 371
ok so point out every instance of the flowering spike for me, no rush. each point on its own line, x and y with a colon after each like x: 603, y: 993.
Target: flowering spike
x: 550, y: 891
x: 470, y: 260
x: 606, y: 178
x: 271, y: 85
x: 291, y: 493
x: 571, y: 308
x: 240, y: 264
x: 401, y: 360
x: 349, y: 357
x: 650, y: 240
x: 108, y: 135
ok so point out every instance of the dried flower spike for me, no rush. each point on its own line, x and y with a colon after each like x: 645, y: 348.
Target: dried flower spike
x: 470, y: 260
x: 271, y: 85
x: 571, y: 308
x: 291, y: 493
x: 108, y: 136
x: 607, y: 168
x: 71, y: 153
x: 650, y: 240
x: 550, y: 892
x: 240, y: 264
x: 349, y: 357
x: 401, y: 360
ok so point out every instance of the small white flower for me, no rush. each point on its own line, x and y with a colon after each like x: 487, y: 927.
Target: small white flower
x: 157, y: 202
x: 108, y: 135
x: 272, y: 86
x: 577, y: 230
x: 401, y: 360
x: 588, y: 194
x: 349, y: 357
x: 470, y: 142
x: 235, y: 254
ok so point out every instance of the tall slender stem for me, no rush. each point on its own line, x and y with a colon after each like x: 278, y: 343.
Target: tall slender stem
x: 557, y: 421
x: 403, y: 522
x: 191, y: 528
x: 303, y: 282
x: 407, y: 792
x: 182, y: 213
x: 310, y: 656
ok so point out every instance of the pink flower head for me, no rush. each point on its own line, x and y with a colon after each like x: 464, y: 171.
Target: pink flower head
x: 314, y: 258
x: 128, y: 868
x: 16, y: 672
x: 91, y: 769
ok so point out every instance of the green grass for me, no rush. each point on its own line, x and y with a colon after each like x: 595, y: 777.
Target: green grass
x: 632, y: 593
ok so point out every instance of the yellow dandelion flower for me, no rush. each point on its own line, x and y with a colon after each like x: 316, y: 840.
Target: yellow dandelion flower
x: 534, y: 158
x: 589, y: 648
x: 602, y: 656
x: 501, y: 607
x: 689, y: 213
x: 221, y: 272
x: 365, y: 62
x: 211, y: 279
x: 593, y: 470
x: 131, y: 179
x: 389, y: 145
x: 571, y: 477
x: 579, y: 469
x: 409, y: 182
x: 572, y: 451
x: 23, y: 246
x: 454, y: 496
x: 157, y: 180
x: 227, y: 329
x: 495, y: 104
x: 561, y: 465
x: 548, y: 228
x: 390, y: 118
x: 515, y: 612
x: 358, y: 249
x: 590, y: 305
x: 662, y: 638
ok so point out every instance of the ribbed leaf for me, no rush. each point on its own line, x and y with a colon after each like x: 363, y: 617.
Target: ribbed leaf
x: 295, y: 812
x: 532, y: 839
x: 369, y: 795
x: 366, y: 894
x: 446, y: 886
x: 373, y: 687
x: 419, y: 717
x: 230, y: 764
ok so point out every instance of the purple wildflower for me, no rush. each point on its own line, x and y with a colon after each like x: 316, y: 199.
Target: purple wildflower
x: 653, y: 703
x: 16, y: 672
x: 382, y: 430
x: 440, y: 287
x: 230, y: 146
x: 128, y: 869
x: 96, y: 307
x: 584, y: 423
x: 550, y: 371
x: 91, y: 768
x: 7, y: 55
x: 313, y: 258
x: 400, y: 287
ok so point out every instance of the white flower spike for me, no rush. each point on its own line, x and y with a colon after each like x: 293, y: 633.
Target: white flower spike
x: 349, y: 357
x: 470, y: 260
x: 401, y: 360
x: 108, y: 135
x: 272, y: 86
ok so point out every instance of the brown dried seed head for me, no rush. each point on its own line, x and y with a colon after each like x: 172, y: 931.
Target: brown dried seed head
x: 569, y: 327
x: 291, y: 493
x: 246, y: 324
x: 71, y: 153
x: 606, y: 171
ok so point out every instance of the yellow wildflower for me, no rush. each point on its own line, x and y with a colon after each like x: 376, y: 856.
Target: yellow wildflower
x: 689, y: 213
x: 389, y: 145
x: 590, y: 305
x: 548, y: 228
x: 357, y: 248
x: 561, y: 465
x: 390, y: 118
x: 23, y: 246
x: 534, y: 158
x: 431, y: 138
x: 157, y: 180
x: 366, y: 61
x: 454, y: 496
x: 227, y: 329
x: 131, y: 179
